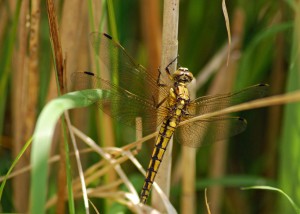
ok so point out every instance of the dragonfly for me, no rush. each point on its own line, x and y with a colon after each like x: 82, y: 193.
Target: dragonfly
x: 136, y: 96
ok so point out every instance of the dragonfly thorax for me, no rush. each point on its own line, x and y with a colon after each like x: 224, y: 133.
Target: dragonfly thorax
x: 182, y: 75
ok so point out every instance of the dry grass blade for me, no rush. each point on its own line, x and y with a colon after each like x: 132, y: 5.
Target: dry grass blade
x: 260, y: 103
x: 108, y: 158
x: 80, y: 169
x: 95, y: 208
x: 20, y: 183
x: 188, y: 174
x: 224, y: 8
x: 114, y: 157
x: 163, y: 197
x: 138, y: 142
x: 169, y: 53
x: 56, y: 43
x: 60, y: 72
x: 27, y: 168
x: 101, y: 169
x: 188, y: 197
x: 33, y: 72
x: 206, y: 202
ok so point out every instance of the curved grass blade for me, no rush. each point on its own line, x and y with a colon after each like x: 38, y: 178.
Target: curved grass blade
x: 294, y: 205
x: 42, y: 139
x: 27, y: 144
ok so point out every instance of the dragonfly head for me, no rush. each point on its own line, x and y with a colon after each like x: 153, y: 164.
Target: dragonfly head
x: 183, y: 75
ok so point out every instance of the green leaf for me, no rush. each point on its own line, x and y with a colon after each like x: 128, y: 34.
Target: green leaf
x: 42, y: 139
x: 296, y: 208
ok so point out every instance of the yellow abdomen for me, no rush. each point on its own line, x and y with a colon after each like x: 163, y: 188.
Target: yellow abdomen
x: 165, y: 133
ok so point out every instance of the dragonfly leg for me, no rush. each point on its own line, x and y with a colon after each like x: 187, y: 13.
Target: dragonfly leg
x: 167, y: 71
x: 161, y: 102
x: 185, y: 112
x: 167, y: 67
x: 158, y: 79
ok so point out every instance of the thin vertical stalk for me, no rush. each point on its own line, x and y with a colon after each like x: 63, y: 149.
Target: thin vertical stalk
x: 188, y: 196
x: 3, y: 21
x: 169, y: 53
x: 107, y: 122
x: 113, y: 28
x: 27, y: 96
x: 101, y: 19
x: 20, y: 183
x: 63, y: 147
x: 40, y: 169
x: 33, y: 71
x: 152, y: 33
x: 289, y: 149
x: 104, y: 122
x: 71, y: 28
x: 7, y: 62
x: 71, y: 25
x: 112, y: 19
x: 274, y: 118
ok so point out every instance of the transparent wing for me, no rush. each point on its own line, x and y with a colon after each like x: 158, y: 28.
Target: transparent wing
x: 211, y: 103
x: 131, y: 75
x: 201, y: 132
x: 119, y: 103
x: 204, y: 132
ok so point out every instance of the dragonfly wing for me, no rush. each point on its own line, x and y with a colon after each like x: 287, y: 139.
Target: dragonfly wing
x: 206, y: 131
x: 211, y: 103
x: 119, y: 103
x: 131, y: 76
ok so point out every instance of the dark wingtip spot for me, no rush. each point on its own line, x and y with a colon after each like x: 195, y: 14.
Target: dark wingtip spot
x: 263, y: 85
x: 89, y: 73
x: 107, y: 36
x: 242, y: 120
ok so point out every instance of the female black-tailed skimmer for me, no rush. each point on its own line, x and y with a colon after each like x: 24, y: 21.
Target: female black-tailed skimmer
x: 136, y: 95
